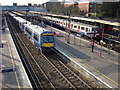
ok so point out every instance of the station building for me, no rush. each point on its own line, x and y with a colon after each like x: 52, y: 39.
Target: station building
x: 51, y: 4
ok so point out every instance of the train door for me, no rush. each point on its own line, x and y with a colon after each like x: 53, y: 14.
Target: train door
x: 59, y: 23
x: 78, y: 28
x: 66, y: 25
x: 19, y: 24
x: 71, y: 26
x: 82, y: 28
x: 87, y: 30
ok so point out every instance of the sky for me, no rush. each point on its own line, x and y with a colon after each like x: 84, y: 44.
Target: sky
x: 22, y: 2
x: 25, y: 2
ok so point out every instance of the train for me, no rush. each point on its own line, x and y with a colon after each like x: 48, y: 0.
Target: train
x: 83, y: 29
x: 112, y: 29
x: 40, y: 37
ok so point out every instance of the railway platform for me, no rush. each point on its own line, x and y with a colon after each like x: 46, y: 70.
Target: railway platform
x: 104, y: 69
x: 13, y: 74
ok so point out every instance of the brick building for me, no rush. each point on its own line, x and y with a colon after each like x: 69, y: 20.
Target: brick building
x: 85, y: 6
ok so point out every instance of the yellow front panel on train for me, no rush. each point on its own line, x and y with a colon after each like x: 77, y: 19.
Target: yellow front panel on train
x: 47, y: 34
x: 48, y: 44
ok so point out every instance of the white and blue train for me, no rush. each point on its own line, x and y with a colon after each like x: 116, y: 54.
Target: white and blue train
x: 40, y: 37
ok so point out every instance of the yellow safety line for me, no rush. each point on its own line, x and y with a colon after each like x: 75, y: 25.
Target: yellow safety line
x: 103, y: 75
x: 13, y: 63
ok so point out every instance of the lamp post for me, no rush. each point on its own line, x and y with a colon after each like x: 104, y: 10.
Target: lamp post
x: 42, y: 23
x: 51, y: 22
x: 26, y: 14
x: 101, y: 42
x: 109, y: 47
x: 93, y: 41
x: 37, y: 19
x: 68, y: 40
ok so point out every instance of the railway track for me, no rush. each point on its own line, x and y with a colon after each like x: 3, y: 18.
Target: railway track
x: 47, y: 74
x: 37, y: 19
x: 23, y: 56
x: 112, y: 42
x: 108, y: 34
x: 63, y: 68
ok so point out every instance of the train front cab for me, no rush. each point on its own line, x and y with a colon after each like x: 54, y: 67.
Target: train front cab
x: 47, y: 40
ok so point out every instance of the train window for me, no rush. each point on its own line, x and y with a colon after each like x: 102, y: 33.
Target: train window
x: 23, y: 26
x: 75, y: 26
x: 48, y: 39
x: 71, y: 25
x: 78, y: 27
x: 44, y: 39
x: 51, y: 38
x: 64, y: 23
x: 35, y: 37
x: 86, y: 29
x: 28, y: 31
x: 82, y: 28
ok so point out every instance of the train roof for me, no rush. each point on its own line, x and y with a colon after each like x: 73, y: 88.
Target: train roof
x: 13, y: 15
x: 21, y: 20
x: 78, y: 23
x: 35, y: 28
x: 82, y: 18
x: 18, y: 13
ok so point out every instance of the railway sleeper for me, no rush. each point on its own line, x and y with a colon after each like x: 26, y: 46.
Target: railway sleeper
x: 60, y: 77
x: 55, y: 71
x: 69, y: 75
x: 64, y: 81
x: 74, y: 81
x: 65, y: 70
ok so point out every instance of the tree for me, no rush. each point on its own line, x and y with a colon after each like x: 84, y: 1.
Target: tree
x: 61, y: 9
x: 110, y: 9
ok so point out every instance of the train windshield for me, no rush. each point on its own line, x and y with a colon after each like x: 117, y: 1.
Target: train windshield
x: 48, y: 39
